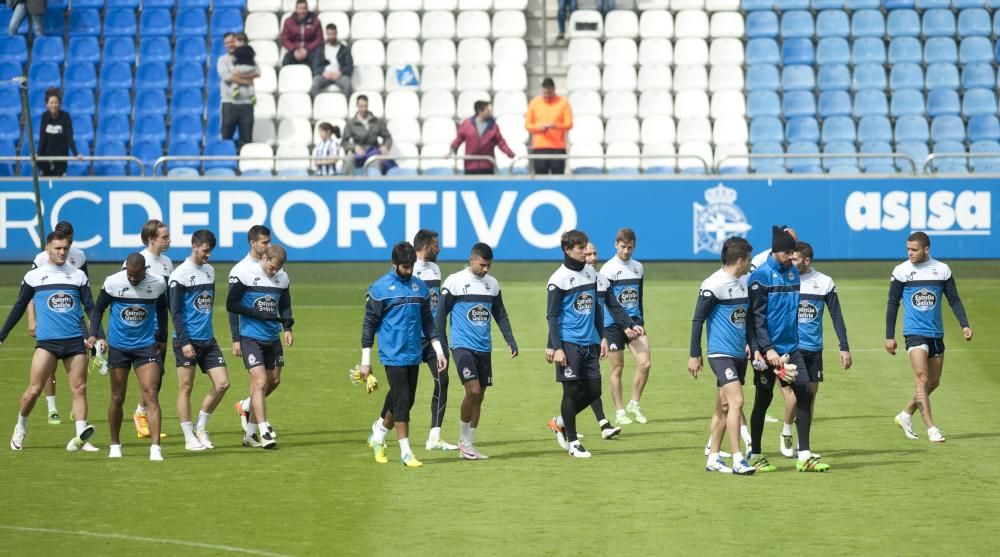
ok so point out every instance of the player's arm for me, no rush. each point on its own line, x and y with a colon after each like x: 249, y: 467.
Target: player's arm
x: 640, y: 320
x: 503, y: 322
x: 758, y: 307
x: 285, y: 309
x: 176, y: 305
x: 369, y: 326
x: 87, y: 300
x: 951, y: 292
x: 891, y: 311
x: 234, y: 318
x: 427, y: 321
x: 702, y: 309
x: 552, y: 315
x: 234, y: 303
x: 162, y: 310
x: 97, y: 316
x: 599, y: 320
x: 618, y: 313
x: 445, y: 302
x: 24, y: 296
x: 837, y: 316
x: 86, y: 271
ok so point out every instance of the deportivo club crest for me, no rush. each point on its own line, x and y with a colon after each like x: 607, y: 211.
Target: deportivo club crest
x: 717, y: 220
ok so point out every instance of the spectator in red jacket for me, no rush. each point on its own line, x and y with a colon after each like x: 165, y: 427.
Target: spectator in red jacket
x: 302, y: 35
x: 481, y: 136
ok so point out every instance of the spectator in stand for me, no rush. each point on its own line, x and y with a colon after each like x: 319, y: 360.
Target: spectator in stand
x: 566, y: 7
x: 362, y: 136
x: 334, y: 65
x: 302, y: 35
x: 327, y: 151
x: 237, y: 112
x: 549, y: 119
x: 55, y: 136
x: 34, y: 8
x: 481, y: 136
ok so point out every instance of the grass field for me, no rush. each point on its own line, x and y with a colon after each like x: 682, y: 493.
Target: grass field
x: 644, y: 493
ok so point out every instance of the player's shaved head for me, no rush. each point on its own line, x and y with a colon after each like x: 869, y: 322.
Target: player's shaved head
x: 135, y: 268
x: 482, y: 250
x: 590, y: 252
x: 425, y: 243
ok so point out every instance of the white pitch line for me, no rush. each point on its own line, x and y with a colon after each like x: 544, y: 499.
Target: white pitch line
x: 217, y: 547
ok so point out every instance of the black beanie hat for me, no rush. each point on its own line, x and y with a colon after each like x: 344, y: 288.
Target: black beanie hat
x: 781, y: 240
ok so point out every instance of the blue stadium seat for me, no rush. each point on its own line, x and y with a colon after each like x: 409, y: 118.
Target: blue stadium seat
x: 36, y: 104
x: 767, y: 166
x: 155, y: 23
x: 854, y: 5
x: 984, y: 128
x: 877, y: 165
x: 870, y: 103
x: 79, y: 102
x: 213, y: 98
x: 907, y: 102
x: 228, y: 20
x: 834, y: 103
x: 216, y: 4
x: 150, y: 129
x: 113, y: 128
x: 786, y: 5
x: 186, y: 102
x: 797, y: 24
x: 940, y: 50
x: 798, y: 78
x: 10, y: 128
x: 899, y: 4
x: 756, y: 5
x: 84, y: 22
x: 761, y: 24
x: 188, y: 75
x: 804, y: 129
x: 915, y: 150
x: 147, y: 152
x: 903, y: 23
x: 133, y: 4
x: 191, y: 49
x: 996, y: 20
x: 83, y: 129
x: 838, y: 128
x: 832, y: 23
x: 975, y: 50
x: 13, y: 49
x: 906, y: 76
x: 81, y: 75
x: 185, y: 128
x: 874, y: 129
x: 766, y: 129
x: 114, y: 102
x: 869, y: 76
x: 939, y: 23
x: 54, y: 23
x: 974, y: 23
x: 963, y: 4
x: 152, y: 75
x: 978, y: 76
x: 191, y: 22
x: 942, y: 76
x: 220, y: 148
x: 979, y: 102
x: 8, y: 71
x: 47, y: 49
x: 985, y: 164
x: 762, y: 77
x: 154, y: 49
x: 88, y: 4
x: 905, y: 50
x: 116, y: 75
x: 119, y: 49
x: 151, y: 102
x: 833, y: 78
x: 763, y: 103
x: 119, y: 23
x: 7, y: 150
x: 798, y: 103
x: 77, y: 168
x: 806, y: 165
x: 10, y: 102
x: 868, y: 50
x: 867, y: 23
x: 213, y: 124
x: 204, y: 4
x: 44, y: 75
x: 833, y: 50
x: 110, y: 149
x: 943, y: 102
x: 761, y: 51
x: 932, y: 4
x: 83, y: 49
x: 998, y: 45
x: 950, y: 165
x: 911, y: 128
x: 797, y: 51
x: 947, y: 128
x: 183, y: 149
x: 828, y: 5
x: 838, y: 165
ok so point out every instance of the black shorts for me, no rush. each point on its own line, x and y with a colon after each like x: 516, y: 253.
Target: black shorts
x: 270, y: 354
x: 582, y: 362
x: 473, y: 366
x: 728, y: 370
x: 207, y: 355
x: 616, y: 338
x: 126, y: 359
x: 63, y: 348
x: 766, y: 379
x: 933, y: 346
x: 814, y: 365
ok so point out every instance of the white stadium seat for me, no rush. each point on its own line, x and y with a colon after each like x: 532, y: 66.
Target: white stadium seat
x: 730, y: 129
x: 698, y: 149
x: 405, y: 154
x: 622, y: 149
x: 438, y: 130
x: 438, y: 156
x: 509, y: 77
x: 402, y: 25
x: 298, y: 164
x: 289, y: 5
x: 694, y: 130
x: 513, y: 130
x: 509, y: 102
x: 621, y: 24
x: 678, y: 5
x: 367, y: 25
x: 437, y: 78
x: 691, y: 24
x: 509, y: 24
x: 438, y: 52
x: 473, y: 51
x: 375, y: 5
x: 474, y: 78
x: 587, y: 128
x: 401, y: 104
x: 438, y: 25
x: 375, y: 103
x: 658, y: 129
x: 656, y: 103
x: 264, y: 132
x: 472, y: 24
x: 621, y: 128
x: 261, y: 26
x: 586, y: 155
x: 656, y: 52
x: 583, y: 77
x: 620, y: 104
x: 655, y: 78
x: 266, y: 107
x: 725, y: 78
x: 619, y: 78
x: 722, y: 5
x: 256, y: 150
x: 405, y: 5
x: 294, y: 78
x: 270, y: 6
x: 467, y: 99
x: 448, y: 5
x: 294, y: 131
x: 726, y: 52
x: 341, y: 20
x: 584, y: 51
x: 510, y: 50
x: 404, y: 130
x: 519, y: 5
x: 369, y: 78
x: 692, y: 104
x: 435, y: 104
x: 329, y: 106
x: 392, y: 74
x: 643, y: 5
x: 621, y: 52
x: 687, y: 78
x: 728, y: 103
x: 335, y: 6
x: 484, y: 5
x: 583, y: 24
x: 650, y: 152
x: 726, y: 24
x: 268, y: 80
x: 693, y: 52
x: 399, y: 52
x: 504, y: 163
x: 656, y: 24
x: 294, y: 105
x: 369, y: 52
x: 727, y: 155
x: 585, y: 102
x: 266, y: 52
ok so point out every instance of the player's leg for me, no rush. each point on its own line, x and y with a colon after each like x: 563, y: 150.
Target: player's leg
x: 118, y: 376
x: 220, y: 384
x: 258, y: 403
x: 471, y: 408
x: 718, y: 423
x: 616, y: 361
x: 439, y: 403
x: 185, y: 383
x: 76, y: 375
x: 50, y: 399
x: 763, y: 394
x: 733, y: 395
x: 149, y: 381
x: 402, y: 404
x: 640, y: 351
x: 714, y: 462
x: 919, y: 361
x: 786, y: 443
x: 43, y: 363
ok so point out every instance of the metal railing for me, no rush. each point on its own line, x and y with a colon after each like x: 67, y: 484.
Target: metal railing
x: 87, y: 158
x: 604, y: 158
x: 420, y: 158
x: 931, y: 168
x: 806, y: 156
x: 162, y: 161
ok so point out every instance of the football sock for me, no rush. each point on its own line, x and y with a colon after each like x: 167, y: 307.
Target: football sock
x: 472, y: 434
x: 603, y: 422
x: 80, y: 426
x: 245, y: 404
x: 51, y: 401
x: 140, y: 409
x: 439, y: 400
x: 465, y: 435
x: 786, y: 429
x: 380, y: 432
x: 188, y: 430
x: 404, y: 446
x: 202, y: 420
x: 435, y: 434
x: 250, y: 429
x: 22, y: 421
x: 568, y: 411
x: 804, y: 456
x: 745, y: 433
x: 737, y: 458
x: 560, y: 422
x: 712, y: 457
x: 905, y: 416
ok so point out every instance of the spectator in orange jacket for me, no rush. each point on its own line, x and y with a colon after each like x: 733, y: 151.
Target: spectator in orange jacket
x: 481, y: 136
x: 549, y: 119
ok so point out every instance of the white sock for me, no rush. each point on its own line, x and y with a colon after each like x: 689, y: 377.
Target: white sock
x: 202, y: 420
x: 251, y: 428
x: 633, y: 403
x: 380, y: 432
x: 465, y: 436
x: 905, y: 416
x: 140, y: 409
x: 154, y: 450
x: 559, y: 421
x: 712, y: 457
x: 188, y: 430
x: 745, y: 434
x: 804, y: 455
x: 602, y: 423
x: 435, y: 435
x: 262, y: 428
x: 472, y: 434
x: 786, y: 429
x: 51, y: 401
x: 80, y: 426
x: 737, y: 458
x: 709, y: 442
x: 22, y: 422
x: 404, y: 446
x: 245, y: 404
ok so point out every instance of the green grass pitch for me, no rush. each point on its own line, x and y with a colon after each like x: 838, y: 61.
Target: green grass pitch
x: 644, y: 494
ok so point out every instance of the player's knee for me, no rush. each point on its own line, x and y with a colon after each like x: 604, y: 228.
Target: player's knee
x: 643, y: 366
x: 33, y: 391
x: 184, y: 390
x: 222, y: 386
x: 79, y: 389
x: 117, y: 399
x: 474, y: 391
x: 275, y: 381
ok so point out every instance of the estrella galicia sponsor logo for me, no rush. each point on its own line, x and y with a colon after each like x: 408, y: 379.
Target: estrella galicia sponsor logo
x: 584, y: 303
x: 203, y: 302
x: 133, y: 316
x: 479, y: 315
x: 807, y: 312
x: 628, y: 297
x: 266, y: 304
x: 738, y: 317
x: 923, y: 300
x: 61, y: 302
x: 717, y: 220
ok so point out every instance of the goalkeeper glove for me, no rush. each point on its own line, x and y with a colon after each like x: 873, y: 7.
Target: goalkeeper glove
x: 98, y: 363
x: 370, y: 382
x: 787, y: 372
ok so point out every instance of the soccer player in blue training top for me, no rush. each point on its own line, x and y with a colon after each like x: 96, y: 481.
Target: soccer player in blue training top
x: 817, y: 293
x: 78, y: 260
x: 626, y: 277
x: 774, y: 308
x: 722, y: 306
x: 576, y: 342
x: 919, y: 283
x: 61, y: 293
x: 191, y: 292
x: 260, y: 295
x: 471, y: 296
x: 398, y: 310
x: 137, y: 323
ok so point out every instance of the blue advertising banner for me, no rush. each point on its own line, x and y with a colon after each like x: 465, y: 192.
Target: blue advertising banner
x: 359, y: 220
